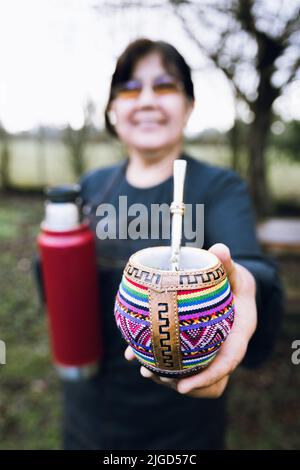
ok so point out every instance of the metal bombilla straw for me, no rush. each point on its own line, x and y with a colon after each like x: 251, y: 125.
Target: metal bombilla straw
x: 177, y: 209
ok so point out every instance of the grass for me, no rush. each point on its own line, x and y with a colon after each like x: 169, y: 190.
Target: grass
x: 264, y: 410
x: 263, y: 406
x: 29, y: 402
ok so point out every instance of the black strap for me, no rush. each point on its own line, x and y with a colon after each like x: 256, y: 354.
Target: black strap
x: 112, y: 181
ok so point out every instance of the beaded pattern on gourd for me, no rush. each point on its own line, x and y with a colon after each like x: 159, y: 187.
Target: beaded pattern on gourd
x: 205, y: 318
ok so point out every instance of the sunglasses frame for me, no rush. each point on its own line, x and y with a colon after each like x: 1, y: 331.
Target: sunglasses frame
x: 134, y: 93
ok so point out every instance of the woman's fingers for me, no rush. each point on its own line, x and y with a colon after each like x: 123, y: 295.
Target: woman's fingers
x: 213, y: 391
x: 230, y: 355
x: 241, y: 280
x: 146, y: 372
x: 172, y: 383
x: 129, y: 354
x: 212, y: 381
x: 223, y: 253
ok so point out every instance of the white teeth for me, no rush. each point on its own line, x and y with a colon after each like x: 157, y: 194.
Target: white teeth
x: 148, y: 122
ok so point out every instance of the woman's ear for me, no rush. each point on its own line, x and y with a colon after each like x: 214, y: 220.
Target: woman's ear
x: 112, y: 116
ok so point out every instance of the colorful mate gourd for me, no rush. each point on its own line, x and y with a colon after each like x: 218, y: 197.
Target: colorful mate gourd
x: 174, y: 305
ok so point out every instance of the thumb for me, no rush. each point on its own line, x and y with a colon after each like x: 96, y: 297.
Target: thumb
x: 223, y: 253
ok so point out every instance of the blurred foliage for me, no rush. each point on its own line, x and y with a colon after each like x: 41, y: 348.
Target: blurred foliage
x: 288, y: 142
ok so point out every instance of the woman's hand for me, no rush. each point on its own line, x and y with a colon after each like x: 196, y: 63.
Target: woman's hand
x: 212, y: 381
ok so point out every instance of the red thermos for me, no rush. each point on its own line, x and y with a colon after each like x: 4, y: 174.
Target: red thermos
x: 68, y: 257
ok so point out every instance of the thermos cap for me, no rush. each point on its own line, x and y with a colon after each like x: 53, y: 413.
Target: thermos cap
x: 61, y: 210
x: 64, y: 193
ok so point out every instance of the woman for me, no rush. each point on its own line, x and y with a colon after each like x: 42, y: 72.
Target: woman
x: 151, y: 99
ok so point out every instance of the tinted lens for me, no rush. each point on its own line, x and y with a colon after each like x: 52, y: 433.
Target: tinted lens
x: 130, y: 89
x: 162, y: 88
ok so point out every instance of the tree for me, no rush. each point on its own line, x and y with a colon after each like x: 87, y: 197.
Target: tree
x: 256, y: 44
x: 236, y: 137
x: 76, y: 140
x: 41, y: 165
x: 5, y: 159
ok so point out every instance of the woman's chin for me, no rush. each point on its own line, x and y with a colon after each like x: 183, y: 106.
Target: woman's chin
x: 148, y: 142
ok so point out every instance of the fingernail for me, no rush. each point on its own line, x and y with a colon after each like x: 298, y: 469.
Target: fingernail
x: 127, y: 355
x: 166, y: 379
x: 181, y: 388
x: 145, y: 372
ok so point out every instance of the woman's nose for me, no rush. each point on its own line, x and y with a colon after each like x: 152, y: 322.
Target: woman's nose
x: 147, y: 96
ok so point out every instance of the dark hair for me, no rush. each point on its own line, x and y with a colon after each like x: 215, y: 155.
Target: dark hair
x: 136, y: 50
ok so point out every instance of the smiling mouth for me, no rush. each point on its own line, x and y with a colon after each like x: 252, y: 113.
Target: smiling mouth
x: 149, y: 123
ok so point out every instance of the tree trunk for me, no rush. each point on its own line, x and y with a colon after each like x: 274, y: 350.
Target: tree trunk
x: 257, y: 144
x: 234, y: 145
x: 41, y: 163
x: 260, y: 127
x: 5, y: 163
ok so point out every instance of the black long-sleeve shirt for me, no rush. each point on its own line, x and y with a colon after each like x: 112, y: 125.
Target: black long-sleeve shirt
x: 119, y: 409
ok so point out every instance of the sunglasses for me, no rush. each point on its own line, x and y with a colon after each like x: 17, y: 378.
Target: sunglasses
x: 161, y: 86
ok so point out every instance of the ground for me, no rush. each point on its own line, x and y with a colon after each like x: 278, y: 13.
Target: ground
x: 264, y: 411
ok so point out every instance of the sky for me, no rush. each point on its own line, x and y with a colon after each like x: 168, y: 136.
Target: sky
x: 57, y: 54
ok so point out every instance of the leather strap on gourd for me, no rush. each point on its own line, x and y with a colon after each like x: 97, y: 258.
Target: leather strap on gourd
x: 165, y: 334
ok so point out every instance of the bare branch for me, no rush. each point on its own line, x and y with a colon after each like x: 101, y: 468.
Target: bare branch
x: 214, y: 56
x: 293, y: 73
x: 291, y: 27
x: 243, y: 13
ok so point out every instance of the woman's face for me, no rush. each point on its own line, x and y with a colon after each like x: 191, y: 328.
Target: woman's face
x: 151, y: 119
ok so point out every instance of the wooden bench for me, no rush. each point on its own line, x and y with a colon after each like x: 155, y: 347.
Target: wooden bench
x: 280, y: 236
x: 281, y: 239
